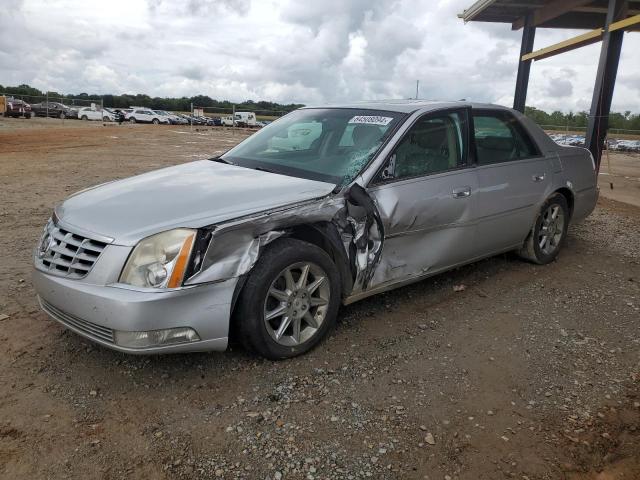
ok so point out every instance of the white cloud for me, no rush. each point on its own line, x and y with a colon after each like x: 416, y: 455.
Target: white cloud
x: 291, y: 51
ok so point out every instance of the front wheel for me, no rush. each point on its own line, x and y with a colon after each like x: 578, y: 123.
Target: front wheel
x: 132, y: 120
x: 549, y: 231
x: 290, y: 300
x: 156, y: 121
x: 85, y: 118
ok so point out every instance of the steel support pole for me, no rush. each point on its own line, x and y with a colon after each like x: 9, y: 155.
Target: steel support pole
x: 524, y: 67
x: 605, y: 81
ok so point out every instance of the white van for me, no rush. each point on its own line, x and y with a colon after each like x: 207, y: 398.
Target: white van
x: 245, y: 119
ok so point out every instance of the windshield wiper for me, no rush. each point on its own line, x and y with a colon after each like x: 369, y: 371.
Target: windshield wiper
x: 221, y: 160
x: 262, y: 169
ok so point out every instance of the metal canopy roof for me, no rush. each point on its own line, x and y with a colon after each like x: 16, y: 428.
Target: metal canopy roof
x: 581, y: 14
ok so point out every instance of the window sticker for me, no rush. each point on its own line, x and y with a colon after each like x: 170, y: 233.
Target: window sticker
x: 371, y: 120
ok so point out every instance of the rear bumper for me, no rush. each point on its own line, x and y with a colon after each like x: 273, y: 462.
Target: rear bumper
x: 584, y: 203
x: 96, y: 311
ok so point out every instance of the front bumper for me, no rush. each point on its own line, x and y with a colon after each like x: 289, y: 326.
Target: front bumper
x: 95, y: 311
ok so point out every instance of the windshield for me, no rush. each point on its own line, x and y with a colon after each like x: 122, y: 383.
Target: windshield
x: 326, y: 144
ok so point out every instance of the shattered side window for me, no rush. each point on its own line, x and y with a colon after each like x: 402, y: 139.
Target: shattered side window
x: 329, y: 144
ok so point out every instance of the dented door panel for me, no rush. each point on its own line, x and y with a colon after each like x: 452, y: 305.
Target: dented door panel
x: 428, y: 225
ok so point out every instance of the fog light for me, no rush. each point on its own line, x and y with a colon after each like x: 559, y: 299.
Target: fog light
x: 155, y: 338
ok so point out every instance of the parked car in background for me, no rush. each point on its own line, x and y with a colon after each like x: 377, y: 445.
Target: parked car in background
x: 185, y: 118
x: 17, y: 108
x: 165, y: 117
x: 217, y: 121
x: 104, y: 115
x: 200, y: 120
x: 277, y: 232
x: 175, y: 119
x: 245, y: 119
x: 228, y: 121
x: 627, y: 146
x: 54, y: 110
x: 144, y: 115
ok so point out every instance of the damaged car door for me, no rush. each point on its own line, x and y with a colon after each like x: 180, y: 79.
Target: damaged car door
x: 424, y: 193
x: 513, y: 178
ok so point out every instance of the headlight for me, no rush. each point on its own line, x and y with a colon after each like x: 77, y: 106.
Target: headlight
x: 160, y: 261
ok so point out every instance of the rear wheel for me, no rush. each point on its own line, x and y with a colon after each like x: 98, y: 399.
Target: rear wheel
x: 106, y: 119
x: 132, y: 120
x: 290, y: 300
x: 549, y: 231
x: 155, y: 121
x: 62, y: 116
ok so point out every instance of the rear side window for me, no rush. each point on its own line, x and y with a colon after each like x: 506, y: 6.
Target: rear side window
x: 501, y: 138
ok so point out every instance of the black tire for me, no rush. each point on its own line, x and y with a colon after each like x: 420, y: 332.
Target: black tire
x: 85, y: 118
x: 132, y: 120
x: 106, y: 119
x: 250, y: 312
x: 62, y: 115
x: 532, y: 250
x: 155, y: 121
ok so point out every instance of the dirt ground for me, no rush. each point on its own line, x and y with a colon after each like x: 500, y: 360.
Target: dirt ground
x: 528, y: 373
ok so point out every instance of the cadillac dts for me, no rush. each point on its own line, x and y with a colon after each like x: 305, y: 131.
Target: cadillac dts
x: 325, y: 206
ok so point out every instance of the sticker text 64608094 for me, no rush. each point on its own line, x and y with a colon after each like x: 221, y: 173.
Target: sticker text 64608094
x: 371, y: 120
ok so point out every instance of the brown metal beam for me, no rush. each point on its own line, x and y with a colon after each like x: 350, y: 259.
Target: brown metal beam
x: 580, y: 41
x: 549, y: 12
x: 625, y: 24
x: 576, y: 20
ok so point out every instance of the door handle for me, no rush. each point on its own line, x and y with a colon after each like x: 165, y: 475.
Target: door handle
x: 461, y: 192
x: 538, y: 177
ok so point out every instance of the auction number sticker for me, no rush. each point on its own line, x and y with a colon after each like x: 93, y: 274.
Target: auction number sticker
x: 371, y: 120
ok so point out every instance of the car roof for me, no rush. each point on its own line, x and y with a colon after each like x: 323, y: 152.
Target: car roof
x: 409, y: 106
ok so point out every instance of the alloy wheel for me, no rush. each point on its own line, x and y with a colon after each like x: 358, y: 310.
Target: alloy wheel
x: 551, y: 229
x: 296, y: 303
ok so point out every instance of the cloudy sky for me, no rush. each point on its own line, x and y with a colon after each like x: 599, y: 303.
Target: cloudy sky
x: 306, y: 51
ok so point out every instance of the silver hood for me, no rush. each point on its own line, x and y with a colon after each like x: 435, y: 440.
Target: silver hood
x: 192, y: 195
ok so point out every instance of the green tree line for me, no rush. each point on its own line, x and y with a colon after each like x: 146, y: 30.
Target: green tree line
x: 571, y: 120
x: 578, y: 121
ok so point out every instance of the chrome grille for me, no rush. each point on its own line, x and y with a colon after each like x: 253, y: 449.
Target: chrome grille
x: 67, y: 254
x: 90, y: 329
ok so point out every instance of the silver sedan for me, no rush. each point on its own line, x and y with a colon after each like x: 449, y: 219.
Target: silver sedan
x: 325, y: 206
